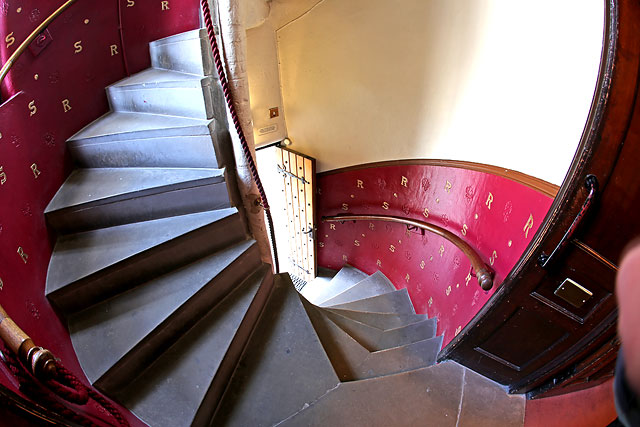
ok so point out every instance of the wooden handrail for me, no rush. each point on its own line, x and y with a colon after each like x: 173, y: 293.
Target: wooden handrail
x: 23, y: 46
x: 483, y: 272
x: 38, y: 360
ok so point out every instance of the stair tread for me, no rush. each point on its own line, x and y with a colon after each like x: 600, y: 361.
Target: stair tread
x: 353, y: 362
x: 284, y: 366
x: 90, y: 185
x: 427, y: 396
x: 322, y: 279
x: 128, y: 124
x: 505, y: 409
x: 104, y: 333
x: 343, y: 280
x: 376, y: 284
x: 79, y: 255
x: 157, y: 77
x: 382, y: 321
x: 170, y: 391
x: 375, y: 339
x: 393, y: 302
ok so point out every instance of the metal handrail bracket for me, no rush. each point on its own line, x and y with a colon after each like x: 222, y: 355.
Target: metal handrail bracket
x: 23, y: 46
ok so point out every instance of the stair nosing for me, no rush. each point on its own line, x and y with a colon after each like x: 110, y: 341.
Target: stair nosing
x: 249, y: 251
x: 54, y: 209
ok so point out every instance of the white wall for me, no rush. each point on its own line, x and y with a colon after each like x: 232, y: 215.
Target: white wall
x: 264, y: 85
x: 503, y: 82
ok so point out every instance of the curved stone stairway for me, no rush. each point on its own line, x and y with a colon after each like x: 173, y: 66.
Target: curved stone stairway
x: 171, y: 311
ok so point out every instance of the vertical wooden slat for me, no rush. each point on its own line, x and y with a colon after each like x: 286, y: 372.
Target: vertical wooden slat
x: 309, y: 191
x: 283, y: 158
x: 303, y: 216
x: 293, y: 256
x: 302, y: 241
x: 291, y: 168
x: 299, y: 196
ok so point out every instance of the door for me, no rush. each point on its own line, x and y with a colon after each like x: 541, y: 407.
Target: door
x: 298, y: 185
x: 554, y: 314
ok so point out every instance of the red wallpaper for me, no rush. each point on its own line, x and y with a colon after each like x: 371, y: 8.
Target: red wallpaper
x: 55, y: 89
x: 495, y: 215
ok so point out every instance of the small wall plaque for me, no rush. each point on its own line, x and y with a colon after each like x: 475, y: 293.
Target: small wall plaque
x: 573, y: 293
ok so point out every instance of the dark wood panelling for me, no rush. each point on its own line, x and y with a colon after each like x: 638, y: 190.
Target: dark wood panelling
x: 537, y: 336
x: 526, y: 305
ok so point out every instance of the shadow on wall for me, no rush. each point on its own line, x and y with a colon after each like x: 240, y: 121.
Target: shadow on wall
x: 359, y: 72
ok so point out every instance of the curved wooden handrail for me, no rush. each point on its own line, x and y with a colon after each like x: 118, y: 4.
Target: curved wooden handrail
x: 38, y: 360
x: 23, y: 46
x: 483, y: 272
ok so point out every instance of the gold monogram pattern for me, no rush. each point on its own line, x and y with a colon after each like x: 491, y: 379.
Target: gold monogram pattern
x: 436, y: 274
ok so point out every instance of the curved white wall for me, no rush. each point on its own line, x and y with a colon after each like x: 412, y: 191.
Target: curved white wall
x: 503, y: 82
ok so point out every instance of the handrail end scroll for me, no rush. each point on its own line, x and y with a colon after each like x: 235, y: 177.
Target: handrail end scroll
x: 485, y: 278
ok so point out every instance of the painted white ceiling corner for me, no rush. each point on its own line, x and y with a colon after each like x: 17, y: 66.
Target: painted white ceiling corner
x: 285, y: 11
x: 254, y: 12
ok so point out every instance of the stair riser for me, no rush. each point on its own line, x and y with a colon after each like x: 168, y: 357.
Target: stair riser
x: 187, y: 55
x: 138, y: 269
x: 234, y: 352
x: 346, y: 278
x: 400, y: 359
x: 158, y: 341
x: 383, y: 321
x: 178, y: 151
x: 365, y: 289
x: 145, y: 205
x: 376, y: 340
x: 394, y: 302
x: 201, y: 102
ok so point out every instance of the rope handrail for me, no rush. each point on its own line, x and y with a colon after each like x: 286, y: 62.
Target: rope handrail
x: 37, y: 369
x: 23, y: 46
x: 482, y: 271
x: 217, y: 58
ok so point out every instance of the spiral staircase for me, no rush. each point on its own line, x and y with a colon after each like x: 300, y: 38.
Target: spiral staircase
x: 171, y: 311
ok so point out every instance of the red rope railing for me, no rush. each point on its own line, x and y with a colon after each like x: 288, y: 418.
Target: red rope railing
x: 236, y: 122
x: 43, y: 378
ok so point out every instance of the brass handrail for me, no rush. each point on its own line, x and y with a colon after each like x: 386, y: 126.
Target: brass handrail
x: 38, y: 360
x: 483, y: 272
x: 23, y: 46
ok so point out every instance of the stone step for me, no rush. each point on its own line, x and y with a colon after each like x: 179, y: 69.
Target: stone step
x: 382, y: 321
x: 97, y: 198
x: 347, y: 277
x: 393, y: 302
x: 283, y: 369
x: 171, y: 93
x: 118, y: 338
x: 443, y: 395
x: 195, y: 151
x: 353, y: 362
x: 374, y: 339
x: 145, y: 140
x: 123, y: 126
x: 175, y: 389
x: 322, y: 279
x: 88, y: 267
x: 374, y: 285
x: 187, y: 52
